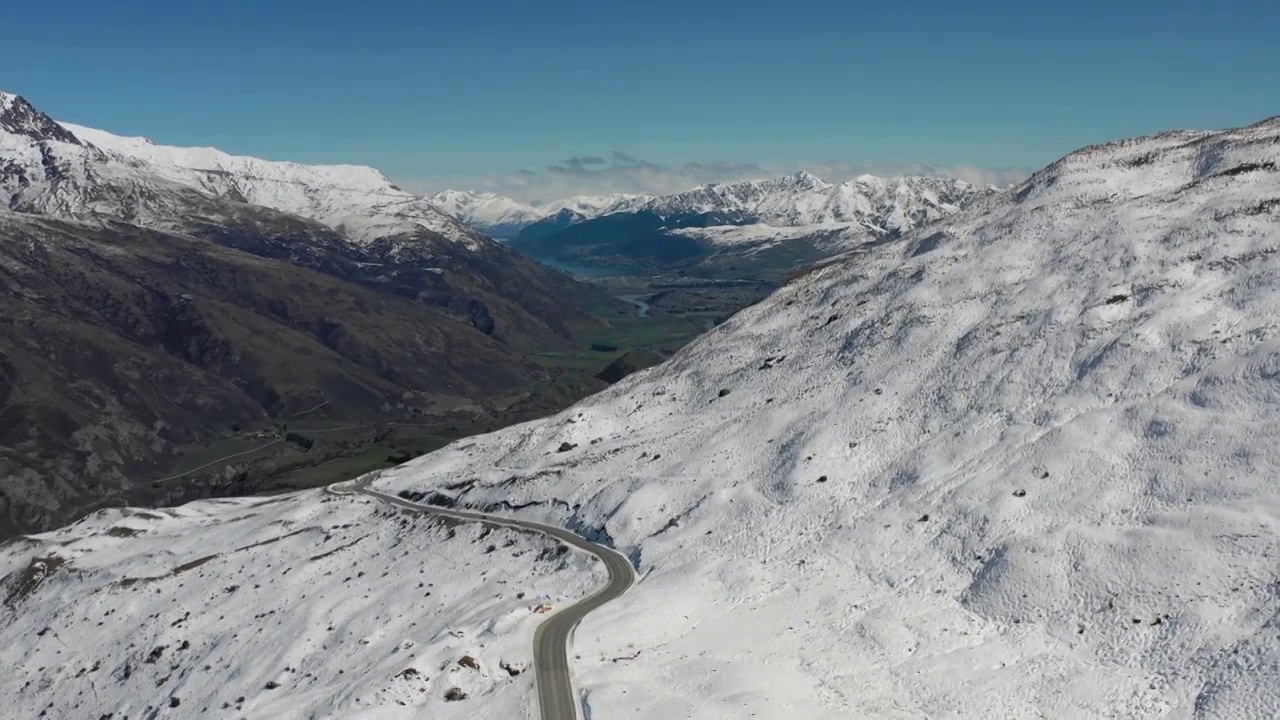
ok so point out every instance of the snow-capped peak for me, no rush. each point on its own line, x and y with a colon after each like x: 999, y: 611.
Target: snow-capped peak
x: 19, y: 117
x: 70, y: 170
x: 348, y: 177
x: 807, y: 180
x: 358, y: 201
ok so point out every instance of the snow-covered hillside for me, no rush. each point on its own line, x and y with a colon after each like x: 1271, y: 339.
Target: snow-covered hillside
x: 303, y: 606
x: 1019, y: 465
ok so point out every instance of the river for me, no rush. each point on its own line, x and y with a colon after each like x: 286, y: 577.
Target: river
x: 642, y: 307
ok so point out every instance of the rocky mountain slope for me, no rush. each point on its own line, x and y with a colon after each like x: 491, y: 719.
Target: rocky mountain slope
x: 159, y: 297
x: 1019, y: 462
x: 790, y: 220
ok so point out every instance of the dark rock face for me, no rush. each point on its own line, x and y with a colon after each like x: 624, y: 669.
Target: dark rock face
x: 120, y: 345
x: 455, y: 694
x: 20, y: 118
x: 628, y: 363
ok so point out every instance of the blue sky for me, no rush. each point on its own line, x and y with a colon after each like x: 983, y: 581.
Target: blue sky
x: 471, y: 92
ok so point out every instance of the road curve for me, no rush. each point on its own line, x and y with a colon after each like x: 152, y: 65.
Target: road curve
x: 556, y: 698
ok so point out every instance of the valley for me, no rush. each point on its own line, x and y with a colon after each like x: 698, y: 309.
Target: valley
x: 657, y: 315
x: 257, y: 459
x: 229, y: 325
x: 166, y: 304
x: 675, y: 361
x: 1015, y: 463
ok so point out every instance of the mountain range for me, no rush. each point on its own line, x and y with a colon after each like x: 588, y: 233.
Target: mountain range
x: 159, y: 297
x: 781, y: 222
x: 1016, y: 462
x: 503, y: 218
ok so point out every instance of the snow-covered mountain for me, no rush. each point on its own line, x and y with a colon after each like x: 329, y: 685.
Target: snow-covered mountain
x: 359, y: 202
x: 502, y: 217
x: 494, y: 215
x: 888, y: 205
x: 801, y: 200
x: 595, y: 205
x: 71, y: 171
x: 1018, y: 463
x: 782, y: 222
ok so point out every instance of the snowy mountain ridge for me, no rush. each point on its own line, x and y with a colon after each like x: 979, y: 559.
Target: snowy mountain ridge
x: 798, y: 200
x: 75, y: 172
x: 357, y: 201
x: 803, y: 199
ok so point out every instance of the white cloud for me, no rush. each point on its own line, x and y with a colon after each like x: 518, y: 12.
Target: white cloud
x: 626, y: 173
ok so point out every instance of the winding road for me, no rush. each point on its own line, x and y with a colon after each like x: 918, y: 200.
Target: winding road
x: 221, y: 460
x: 556, y: 698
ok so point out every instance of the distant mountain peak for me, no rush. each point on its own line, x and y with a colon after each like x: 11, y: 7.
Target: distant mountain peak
x: 806, y: 179
x: 19, y: 117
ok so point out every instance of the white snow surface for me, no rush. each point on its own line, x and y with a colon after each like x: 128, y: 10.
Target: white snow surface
x: 301, y: 606
x: 1021, y: 463
x: 358, y: 201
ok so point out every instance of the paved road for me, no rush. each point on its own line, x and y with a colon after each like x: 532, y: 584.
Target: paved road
x: 221, y: 460
x: 556, y: 699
